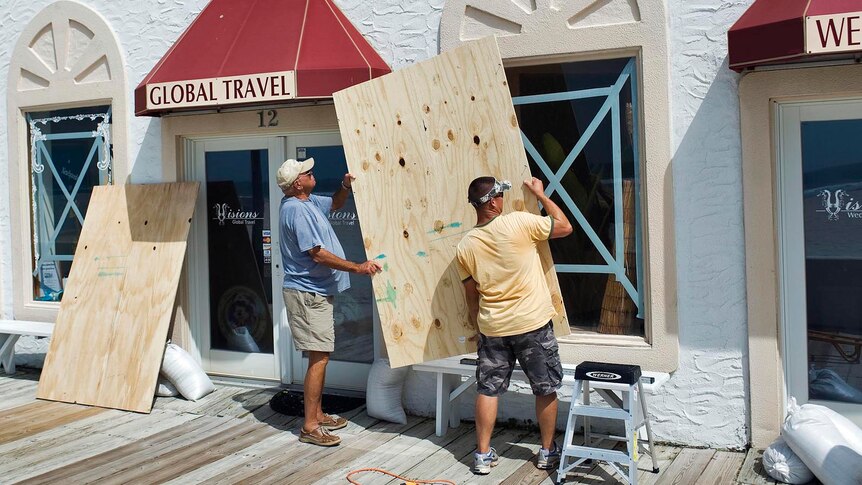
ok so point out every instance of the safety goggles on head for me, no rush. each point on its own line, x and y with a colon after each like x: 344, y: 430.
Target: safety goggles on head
x: 499, y: 187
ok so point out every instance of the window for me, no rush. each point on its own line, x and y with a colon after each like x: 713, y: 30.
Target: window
x: 578, y: 125
x: 68, y: 112
x: 70, y: 153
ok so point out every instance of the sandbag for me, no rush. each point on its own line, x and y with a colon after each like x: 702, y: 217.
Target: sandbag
x: 164, y: 388
x: 782, y: 464
x: 383, y: 393
x: 185, y: 374
x: 827, y: 385
x: 829, y: 444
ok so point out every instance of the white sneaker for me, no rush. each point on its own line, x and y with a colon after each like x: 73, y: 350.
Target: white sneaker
x: 482, y: 462
x: 548, y: 458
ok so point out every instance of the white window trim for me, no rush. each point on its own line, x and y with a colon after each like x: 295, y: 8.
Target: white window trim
x: 63, y: 91
x: 544, y: 35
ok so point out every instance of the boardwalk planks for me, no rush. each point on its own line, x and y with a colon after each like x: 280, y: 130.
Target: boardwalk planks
x: 110, y: 334
x: 415, y: 139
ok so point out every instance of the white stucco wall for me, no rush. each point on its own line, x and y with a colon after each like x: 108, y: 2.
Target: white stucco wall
x: 705, y: 401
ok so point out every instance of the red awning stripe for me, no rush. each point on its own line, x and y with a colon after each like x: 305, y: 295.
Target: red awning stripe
x: 831, y: 7
x: 236, y: 39
x: 301, y: 35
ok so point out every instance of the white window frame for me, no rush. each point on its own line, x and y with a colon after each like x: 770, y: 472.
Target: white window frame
x: 571, y: 32
x: 72, y: 83
x: 791, y: 247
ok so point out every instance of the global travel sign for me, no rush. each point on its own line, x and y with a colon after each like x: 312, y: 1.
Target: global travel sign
x: 233, y: 90
x: 833, y: 33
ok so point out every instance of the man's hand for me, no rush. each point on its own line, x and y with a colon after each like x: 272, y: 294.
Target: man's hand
x: 342, y: 193
x: 348, y: 181
x: 535, y: 186
x: 562, y: 227
x: 370, y: 268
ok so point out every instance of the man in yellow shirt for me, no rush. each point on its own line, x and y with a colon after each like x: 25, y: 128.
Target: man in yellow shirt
x: 509, y: 302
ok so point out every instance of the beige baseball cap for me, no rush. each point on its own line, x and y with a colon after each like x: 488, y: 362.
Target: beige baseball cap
x: 290, y: 170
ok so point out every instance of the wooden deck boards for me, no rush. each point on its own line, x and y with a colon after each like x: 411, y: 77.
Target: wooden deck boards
x: 232, y: 436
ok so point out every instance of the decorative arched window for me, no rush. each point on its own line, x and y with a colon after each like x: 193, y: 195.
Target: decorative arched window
x: 584, y: 75
x: 67, y: 113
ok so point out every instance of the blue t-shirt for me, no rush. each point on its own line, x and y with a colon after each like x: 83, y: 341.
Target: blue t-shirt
x: 303, y: 226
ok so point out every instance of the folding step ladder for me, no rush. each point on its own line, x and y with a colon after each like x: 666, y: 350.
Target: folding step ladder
x: 629, y: 407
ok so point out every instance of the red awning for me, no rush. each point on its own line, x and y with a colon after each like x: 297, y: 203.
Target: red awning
x: 782, y: 31
x: 240, y: 52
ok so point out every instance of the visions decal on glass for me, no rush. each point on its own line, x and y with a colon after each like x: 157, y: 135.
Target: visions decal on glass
x: 224, y: 213
x: 838, y: 202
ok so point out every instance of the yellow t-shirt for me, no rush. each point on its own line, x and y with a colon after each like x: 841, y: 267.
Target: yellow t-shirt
x: 502, y: 259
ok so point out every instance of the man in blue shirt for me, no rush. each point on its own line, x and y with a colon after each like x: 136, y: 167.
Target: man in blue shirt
x: 314, y: 272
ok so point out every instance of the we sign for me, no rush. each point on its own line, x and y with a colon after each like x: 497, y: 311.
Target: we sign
x: 833, y: 33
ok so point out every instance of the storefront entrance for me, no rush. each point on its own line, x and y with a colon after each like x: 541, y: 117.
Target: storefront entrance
x: 820, y: 230
x: 239, y: 320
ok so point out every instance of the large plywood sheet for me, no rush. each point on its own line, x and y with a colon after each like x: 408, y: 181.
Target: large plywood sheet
x: 415, y: 139
x: 110, y: 334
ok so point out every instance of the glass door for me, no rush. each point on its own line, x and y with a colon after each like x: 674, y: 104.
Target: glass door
x: 820, y: 220
x: 234, y: 291
x: 355, y: 310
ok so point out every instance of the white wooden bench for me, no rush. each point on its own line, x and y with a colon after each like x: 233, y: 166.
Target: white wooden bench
x: 11, y: 330
x: 450, y: 386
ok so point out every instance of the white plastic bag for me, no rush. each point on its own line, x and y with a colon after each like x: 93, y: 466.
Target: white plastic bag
x: 827, y: 385
x: 782, y: 464
x: 185, y: 374
x: 827, y: 442
x: 164, y: 388
x: 383, y: 394
x: 240, y: 340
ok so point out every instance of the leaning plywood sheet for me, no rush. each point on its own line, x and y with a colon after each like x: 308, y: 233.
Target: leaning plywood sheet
x: 415, y: 139
x: 110, y: 334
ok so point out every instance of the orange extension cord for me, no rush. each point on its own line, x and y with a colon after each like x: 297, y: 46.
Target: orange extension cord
x: 410, y: 481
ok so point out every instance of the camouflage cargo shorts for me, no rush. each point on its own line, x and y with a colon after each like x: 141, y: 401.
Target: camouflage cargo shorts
x: 536, y: 351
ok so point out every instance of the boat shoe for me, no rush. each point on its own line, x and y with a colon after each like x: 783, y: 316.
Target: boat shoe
x: 332, y: 422
x: 320, y: 437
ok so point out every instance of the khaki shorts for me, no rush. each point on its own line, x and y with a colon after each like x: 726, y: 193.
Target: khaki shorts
x: 311, y: 320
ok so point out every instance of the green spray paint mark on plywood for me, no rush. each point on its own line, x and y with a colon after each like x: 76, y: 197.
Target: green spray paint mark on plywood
x: 380, y: 256
x: 103, y: 274
x: 390, y: 295
x: 453, y: 225
x: 422, y: 254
